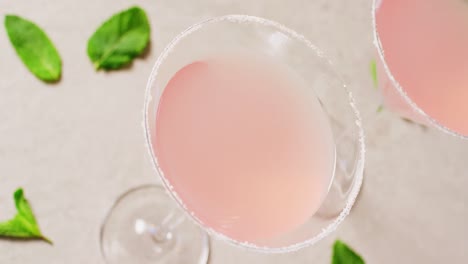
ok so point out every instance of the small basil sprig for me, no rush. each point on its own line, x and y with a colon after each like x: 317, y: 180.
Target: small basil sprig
x: 24, y: 224
x: 343, y: 254
x: 373, y: 72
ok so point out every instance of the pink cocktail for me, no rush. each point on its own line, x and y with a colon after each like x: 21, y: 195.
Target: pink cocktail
x: 245, y: 145
x: 423, y: 70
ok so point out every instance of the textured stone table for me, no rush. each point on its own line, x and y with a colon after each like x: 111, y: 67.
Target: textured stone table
x: 77, y: 145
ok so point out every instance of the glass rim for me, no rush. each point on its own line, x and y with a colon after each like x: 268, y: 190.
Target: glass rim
x: 360, y: 159
x: 396, y: 85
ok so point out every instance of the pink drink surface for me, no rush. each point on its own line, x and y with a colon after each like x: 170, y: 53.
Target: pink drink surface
x: 425, y: 43
x: 245, y: 145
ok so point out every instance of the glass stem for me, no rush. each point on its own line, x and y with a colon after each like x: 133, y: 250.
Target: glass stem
x: 162, y: 232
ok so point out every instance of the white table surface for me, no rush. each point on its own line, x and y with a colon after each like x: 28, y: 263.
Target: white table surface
x: 77, y: 145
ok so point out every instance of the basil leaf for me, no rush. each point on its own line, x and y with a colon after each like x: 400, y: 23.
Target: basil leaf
x: 120, y: 39
x: 34, y: 48
x: 373, y: 71
x: 343, y: 254
x: 24, y: 224
x: 380, y: 109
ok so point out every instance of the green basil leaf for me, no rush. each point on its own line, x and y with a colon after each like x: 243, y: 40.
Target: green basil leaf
x: 120, y: 39
x: 34, y: 48
x: 373, y: 71
x: 380, y: 109
x: 24, y: 224
x: 343, y: 254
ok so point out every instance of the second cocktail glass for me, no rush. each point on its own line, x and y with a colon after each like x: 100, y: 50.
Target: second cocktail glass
x: 423, y: 65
